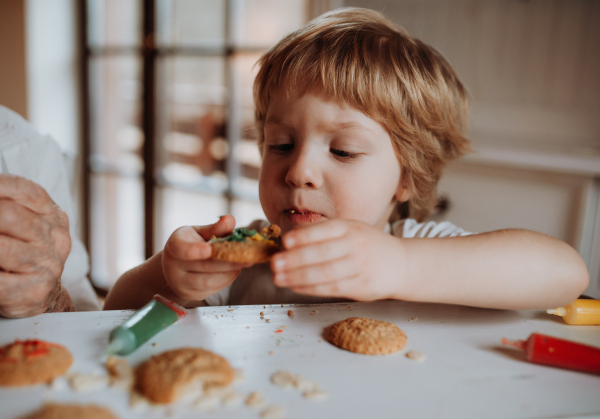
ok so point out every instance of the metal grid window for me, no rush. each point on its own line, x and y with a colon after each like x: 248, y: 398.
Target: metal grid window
x: 169, y: 137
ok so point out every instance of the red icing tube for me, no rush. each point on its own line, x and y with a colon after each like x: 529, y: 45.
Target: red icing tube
x: 543, y: 349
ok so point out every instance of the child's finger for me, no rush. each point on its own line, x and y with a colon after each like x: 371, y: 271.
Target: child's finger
x: 199, y: 266
x: 195, y: 286
x: 319, y: 232
x: 186, y: 244
x: 335, y: 270
x: 343, y: 288
x: 310, y: 255
x: 208, y: 282
x: 221, y: 228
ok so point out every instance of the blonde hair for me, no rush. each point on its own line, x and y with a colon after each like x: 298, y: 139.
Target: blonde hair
x: 358, y: 57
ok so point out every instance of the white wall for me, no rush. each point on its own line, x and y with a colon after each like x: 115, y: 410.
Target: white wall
x: 532, y: 69
x: 52, y: 70
x: 53, y: 80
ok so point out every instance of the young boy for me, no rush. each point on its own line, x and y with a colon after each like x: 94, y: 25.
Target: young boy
x: 354, y: 118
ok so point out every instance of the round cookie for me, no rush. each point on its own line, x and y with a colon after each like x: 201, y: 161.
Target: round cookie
x: 30, y: 362
x: 167, y: 377
x: 64, y: 411
x: 247, y: 246
x: 366, y: 336
x: 243, y: 252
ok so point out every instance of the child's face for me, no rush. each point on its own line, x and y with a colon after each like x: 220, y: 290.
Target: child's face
x: 326, y: 160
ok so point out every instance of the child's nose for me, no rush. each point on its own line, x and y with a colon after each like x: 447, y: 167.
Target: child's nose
x: 304, y: 172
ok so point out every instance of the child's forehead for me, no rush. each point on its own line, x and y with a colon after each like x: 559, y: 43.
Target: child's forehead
x: 301, y: 94
x: 337, y: 113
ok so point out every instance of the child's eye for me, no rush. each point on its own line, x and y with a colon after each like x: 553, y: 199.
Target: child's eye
x: 344, y: 154
x: 281, y: 148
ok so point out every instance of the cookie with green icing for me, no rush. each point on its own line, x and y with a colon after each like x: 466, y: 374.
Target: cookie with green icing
x: 246, y: 246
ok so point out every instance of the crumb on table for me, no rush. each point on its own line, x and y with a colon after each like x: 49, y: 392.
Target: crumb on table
x: 256, y: 400
x: 273, y: 412
x: 416, y: 356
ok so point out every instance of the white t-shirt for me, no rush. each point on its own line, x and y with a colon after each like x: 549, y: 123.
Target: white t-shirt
x: 25, y: 152
x: 255, y: 284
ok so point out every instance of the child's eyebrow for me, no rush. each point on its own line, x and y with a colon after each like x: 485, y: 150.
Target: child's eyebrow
x: 333, y: 126
x: 274, y: 120
x: 349, y: 125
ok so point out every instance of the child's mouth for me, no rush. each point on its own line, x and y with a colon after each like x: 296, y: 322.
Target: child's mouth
x: 298, y: 217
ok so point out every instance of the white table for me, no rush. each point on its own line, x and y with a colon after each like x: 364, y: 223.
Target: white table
x: 467, y: 373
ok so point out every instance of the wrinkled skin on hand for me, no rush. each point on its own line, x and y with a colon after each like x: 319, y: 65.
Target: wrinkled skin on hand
x: 34, y: 245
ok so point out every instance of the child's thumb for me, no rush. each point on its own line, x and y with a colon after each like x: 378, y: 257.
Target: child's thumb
x: 221, y: 228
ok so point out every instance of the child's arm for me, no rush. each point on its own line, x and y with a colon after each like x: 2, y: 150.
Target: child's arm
x: 181, y: 272
x: 508, y: 269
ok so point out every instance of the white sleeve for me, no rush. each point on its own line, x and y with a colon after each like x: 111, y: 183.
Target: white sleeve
x: 24, y: 152
x: 409, y: 228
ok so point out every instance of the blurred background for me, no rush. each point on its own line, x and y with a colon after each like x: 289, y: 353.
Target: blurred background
x: 154, y: 99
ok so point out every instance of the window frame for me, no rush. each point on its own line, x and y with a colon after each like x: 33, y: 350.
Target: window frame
x: 150, y: 53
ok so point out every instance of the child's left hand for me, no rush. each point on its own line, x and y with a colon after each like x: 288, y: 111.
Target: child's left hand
x: 340, y: 258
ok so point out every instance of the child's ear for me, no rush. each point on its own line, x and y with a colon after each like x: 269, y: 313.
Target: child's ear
x: 404, y: 191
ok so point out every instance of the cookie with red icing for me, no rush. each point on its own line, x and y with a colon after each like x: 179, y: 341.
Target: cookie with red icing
x: 29, y: 362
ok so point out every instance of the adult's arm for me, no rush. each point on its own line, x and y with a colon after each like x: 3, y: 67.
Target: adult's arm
x: 34, y: 245
x: 26, y: 153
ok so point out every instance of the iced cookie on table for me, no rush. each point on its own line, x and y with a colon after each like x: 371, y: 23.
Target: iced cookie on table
x: 29, y: 362
x: 246, y: 246
x: 366, y: 336
x: 67, y: 411
x: 167, y: 377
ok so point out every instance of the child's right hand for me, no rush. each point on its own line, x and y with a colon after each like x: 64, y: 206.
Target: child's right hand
x: 186, y: 263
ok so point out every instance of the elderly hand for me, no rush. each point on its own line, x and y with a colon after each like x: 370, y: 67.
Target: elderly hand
x: 34, y: 245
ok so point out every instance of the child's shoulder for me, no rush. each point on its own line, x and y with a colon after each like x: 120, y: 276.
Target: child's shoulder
x: 411, y: 228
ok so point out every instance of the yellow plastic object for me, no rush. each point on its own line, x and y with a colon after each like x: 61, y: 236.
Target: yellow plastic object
x: 579, y: 312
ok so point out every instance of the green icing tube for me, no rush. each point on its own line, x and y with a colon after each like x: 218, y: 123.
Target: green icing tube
x: 155, y: 316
